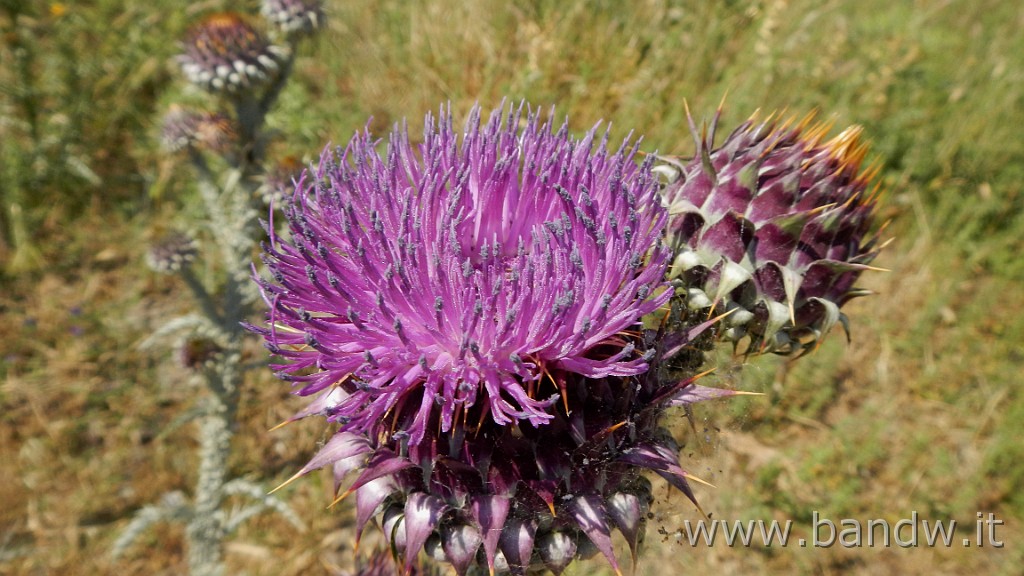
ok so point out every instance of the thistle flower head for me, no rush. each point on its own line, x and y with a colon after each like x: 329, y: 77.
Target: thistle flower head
x: 471, y: 316
x: 293, y: 17
x: 183, y: 128
x: 225, y: 53
x: 448, y: 286
x: 172, y: 252
x: 774, y: 226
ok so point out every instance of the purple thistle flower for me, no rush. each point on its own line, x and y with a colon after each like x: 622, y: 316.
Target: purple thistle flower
x: 470, y: 316
x: 443, y: 287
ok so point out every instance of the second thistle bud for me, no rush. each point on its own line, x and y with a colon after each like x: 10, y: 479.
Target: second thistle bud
x: 774, y: 226
x: 172, y: 253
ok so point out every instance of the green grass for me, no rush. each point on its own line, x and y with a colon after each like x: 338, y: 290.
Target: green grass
x: 923, y: 411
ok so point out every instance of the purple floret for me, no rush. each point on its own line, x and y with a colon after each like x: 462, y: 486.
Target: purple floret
x: 444, y: 283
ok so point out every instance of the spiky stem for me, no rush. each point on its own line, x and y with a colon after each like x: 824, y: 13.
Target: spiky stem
x: 206, y: 529
x: 230, y: 219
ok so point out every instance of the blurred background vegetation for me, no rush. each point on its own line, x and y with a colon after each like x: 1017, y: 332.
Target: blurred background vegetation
x: 922, y: 412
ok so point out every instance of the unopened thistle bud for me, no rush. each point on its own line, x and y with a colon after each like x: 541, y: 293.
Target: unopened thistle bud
x: 226, y: 54
x: 184, y: 128
x: 171, y: 253
x: 773, y: 226
x: 294, y: 17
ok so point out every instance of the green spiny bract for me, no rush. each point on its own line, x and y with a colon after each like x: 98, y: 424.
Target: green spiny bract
x: 773, y: 228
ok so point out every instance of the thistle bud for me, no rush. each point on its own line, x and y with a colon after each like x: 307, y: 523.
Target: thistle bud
x: 227, y: 54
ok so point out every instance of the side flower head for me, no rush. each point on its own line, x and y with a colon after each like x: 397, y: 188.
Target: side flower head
x: 773, y: 226
x: 446, y: 287
x: 225, y: 53
x: 183, y: 129
x: 172, y: 252
x: 294, y: 17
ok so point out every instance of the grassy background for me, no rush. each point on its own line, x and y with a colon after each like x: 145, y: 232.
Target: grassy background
x: 923, y: 412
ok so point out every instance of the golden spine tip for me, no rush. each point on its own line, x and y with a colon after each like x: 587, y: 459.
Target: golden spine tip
x: 282, y: 425
x: 297, y: 475
x: 698, y: 480
x: 344, y: 495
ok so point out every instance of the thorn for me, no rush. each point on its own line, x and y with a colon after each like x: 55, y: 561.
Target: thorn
x: 297, y: 475
x: 809, y: 131
x: 708, y: 371
x: 688, y: 410
x: 611, y: 429
x: 717, y: 116
x: 711, y: 310
x: 344, y: 495
x: 559, y: 385
x: 693, y: 127
x: 818, y: 210
x: 480, y: 423
x: 819, y: 130
x: 714, y: 304
x: 702, y: 512
x: 281, y: 425
x: 615, y: 427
